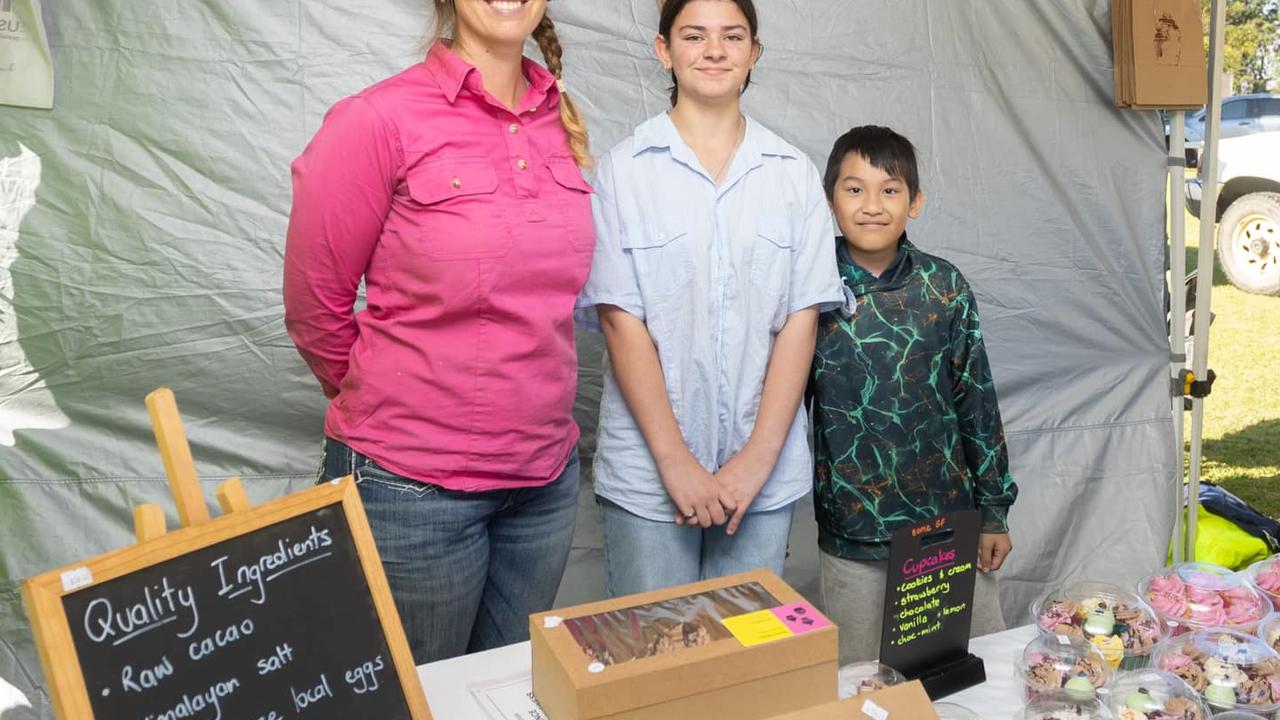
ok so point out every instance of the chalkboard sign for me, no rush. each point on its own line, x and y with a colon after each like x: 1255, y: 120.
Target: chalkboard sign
x: 280, y: 611
x: 928, y: 606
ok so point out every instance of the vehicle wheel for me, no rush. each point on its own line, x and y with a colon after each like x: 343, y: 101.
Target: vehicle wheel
x: 1249, y: 243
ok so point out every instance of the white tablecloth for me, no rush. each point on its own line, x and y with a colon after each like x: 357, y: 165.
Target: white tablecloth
x: 448, y: 683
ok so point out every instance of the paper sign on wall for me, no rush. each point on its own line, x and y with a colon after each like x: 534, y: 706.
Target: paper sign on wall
x: 26, y: 67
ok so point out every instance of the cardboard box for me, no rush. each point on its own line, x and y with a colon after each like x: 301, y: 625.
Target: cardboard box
x: 908, y: 701
x: 1159, y: 54
x: 744, y: 646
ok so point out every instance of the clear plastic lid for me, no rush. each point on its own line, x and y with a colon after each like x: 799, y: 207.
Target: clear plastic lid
x: 1114, y: 619
x: 951, y: 711
x: 1054, y: 662
x: 1147, y: 694
x: 1269, y: 631
x: 1060, y: 706
x: 1200, y: 595
x: 864, y: 677
x: 1237, y: 715
x: 1265, y: 575
x: 1228, y: 669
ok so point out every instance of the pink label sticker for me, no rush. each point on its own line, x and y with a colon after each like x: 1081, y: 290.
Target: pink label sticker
x: 800, y: 617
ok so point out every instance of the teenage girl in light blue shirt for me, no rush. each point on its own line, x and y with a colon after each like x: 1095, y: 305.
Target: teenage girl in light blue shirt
x: 713, y: 260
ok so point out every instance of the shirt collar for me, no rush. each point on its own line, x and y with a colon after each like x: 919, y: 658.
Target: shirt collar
x: 860, y: 281
x: 659, y: 132
x: 453, y: 74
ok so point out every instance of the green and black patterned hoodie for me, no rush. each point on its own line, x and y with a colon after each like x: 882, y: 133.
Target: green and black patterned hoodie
x: 906, y: 424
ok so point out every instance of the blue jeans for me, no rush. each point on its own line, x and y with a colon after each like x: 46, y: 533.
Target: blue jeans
x: 466, y: 569
x: 642, y: 555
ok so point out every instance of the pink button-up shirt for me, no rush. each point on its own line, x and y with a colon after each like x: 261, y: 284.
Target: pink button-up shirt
x: 471, y: 227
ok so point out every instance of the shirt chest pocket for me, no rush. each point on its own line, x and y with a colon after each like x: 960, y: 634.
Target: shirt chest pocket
x: 573, y: 197
x: 663, y: 257
x: 771, y: 258
x: 458, y: 212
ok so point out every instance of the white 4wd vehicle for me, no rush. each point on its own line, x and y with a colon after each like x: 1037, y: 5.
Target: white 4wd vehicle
x: 1248, y: 210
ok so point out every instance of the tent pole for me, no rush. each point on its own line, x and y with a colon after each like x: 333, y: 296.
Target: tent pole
x: 1177, y: 311
x: 1204, y: 259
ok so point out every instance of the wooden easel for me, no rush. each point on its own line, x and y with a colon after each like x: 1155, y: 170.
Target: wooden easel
x: 336, y: 504
x: 148, y: 520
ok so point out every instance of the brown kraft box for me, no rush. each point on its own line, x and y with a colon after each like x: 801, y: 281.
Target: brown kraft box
x: 1159, y: 54
x: 667, y: 654
x: 900, y: 701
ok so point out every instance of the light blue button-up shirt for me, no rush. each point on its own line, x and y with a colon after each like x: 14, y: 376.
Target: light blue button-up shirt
x: 714, y: 272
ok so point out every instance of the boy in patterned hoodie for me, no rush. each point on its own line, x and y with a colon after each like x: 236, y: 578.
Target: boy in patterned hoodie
x: 906, y: 424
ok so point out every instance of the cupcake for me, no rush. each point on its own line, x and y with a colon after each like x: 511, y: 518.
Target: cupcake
x: 1059, y: 662
x: 1192, y: 596
x: 1060, y: 706
x: 864, y: 677
x: 1228, y: 669
x: 1265, y: 575
x: 1155, y: 695
x: 1119, y: 623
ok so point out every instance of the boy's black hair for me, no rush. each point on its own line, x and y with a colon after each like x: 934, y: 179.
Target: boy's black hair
x: 880, y: 146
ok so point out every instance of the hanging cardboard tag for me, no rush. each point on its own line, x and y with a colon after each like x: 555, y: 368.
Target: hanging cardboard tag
x: 26, y: 66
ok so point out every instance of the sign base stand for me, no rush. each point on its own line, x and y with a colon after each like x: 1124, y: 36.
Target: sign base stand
x: 952, y: 677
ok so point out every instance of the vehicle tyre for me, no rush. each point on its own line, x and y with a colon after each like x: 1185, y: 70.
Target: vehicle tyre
x: 1249, y: 243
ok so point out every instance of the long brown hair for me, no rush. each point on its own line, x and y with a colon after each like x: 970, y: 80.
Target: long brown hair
x: 545, y: 35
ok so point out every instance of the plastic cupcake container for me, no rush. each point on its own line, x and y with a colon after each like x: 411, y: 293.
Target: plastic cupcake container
x: 864, y: 677
x: 1060, y: 706
x: 1269, y: 631
x: 1123, y: 627
x: 1265, y: 575
x: 1193, y: 596
x: 1060, y: 662
x: 1155, y: 695
x: 1229, y: 670
x: 951, y: 711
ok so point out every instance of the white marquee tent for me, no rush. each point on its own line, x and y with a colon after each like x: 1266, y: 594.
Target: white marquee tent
x: 142, y: 224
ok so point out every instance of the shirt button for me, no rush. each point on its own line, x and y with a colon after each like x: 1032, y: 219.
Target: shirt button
x: 457, y: 183
x: 660, y: 236
x: 522, y: 164
x: 513, y: 128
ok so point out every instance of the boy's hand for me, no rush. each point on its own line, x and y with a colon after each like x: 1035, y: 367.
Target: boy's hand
x: 992, y: 550
x: 698, y: 498
x: 742, y: 477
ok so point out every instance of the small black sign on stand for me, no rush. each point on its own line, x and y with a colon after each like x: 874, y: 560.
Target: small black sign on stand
x: 928, y: 604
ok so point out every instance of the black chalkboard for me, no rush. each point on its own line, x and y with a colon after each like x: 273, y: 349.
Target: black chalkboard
x: 272, y: 624
x: 928, y: 606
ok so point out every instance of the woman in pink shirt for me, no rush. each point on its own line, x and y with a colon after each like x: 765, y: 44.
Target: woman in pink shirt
x: 453, y: 191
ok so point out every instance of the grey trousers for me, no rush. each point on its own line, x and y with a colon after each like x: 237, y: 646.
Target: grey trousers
x: 853, y: 598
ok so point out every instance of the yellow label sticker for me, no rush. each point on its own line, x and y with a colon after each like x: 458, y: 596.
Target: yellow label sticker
x: 757, y: 627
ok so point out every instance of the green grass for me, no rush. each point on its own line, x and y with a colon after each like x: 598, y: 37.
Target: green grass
x: 1242, y: 416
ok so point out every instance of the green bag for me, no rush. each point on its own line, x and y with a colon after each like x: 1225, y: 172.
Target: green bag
x: 1222, y: 542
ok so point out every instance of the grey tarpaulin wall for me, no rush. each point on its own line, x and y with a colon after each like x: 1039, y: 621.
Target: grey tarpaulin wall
x: 150, y: 252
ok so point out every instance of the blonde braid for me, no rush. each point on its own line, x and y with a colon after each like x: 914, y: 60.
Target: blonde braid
x: 574, y: 127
